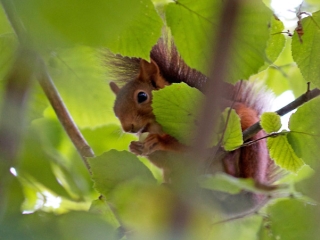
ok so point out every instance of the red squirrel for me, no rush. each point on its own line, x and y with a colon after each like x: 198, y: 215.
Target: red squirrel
x: 133, y: 109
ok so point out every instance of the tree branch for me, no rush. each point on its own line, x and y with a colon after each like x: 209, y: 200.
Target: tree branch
x: 63, y: 115
x: 50, y: 89
x: 255, y: 128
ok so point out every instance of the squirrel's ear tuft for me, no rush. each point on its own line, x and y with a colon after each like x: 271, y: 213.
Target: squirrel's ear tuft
x: 149, y: 71
x: 114, y: 87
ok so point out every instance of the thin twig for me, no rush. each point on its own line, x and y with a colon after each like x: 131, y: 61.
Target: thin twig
x: 255, y: 128
x: 246, y: 144
x: 257, y: 208
x: 64, y: 116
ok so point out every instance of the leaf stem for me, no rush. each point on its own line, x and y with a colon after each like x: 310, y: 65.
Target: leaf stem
x: 266, y: 136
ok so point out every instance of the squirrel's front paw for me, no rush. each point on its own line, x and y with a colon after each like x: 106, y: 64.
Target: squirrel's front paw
x: 152, y: 143
x: 136, y: 147
x: 156, y: 142
x: 148, y: 146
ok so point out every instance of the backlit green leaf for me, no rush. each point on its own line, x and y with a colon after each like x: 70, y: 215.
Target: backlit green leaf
x: 226, y: 183
x: 293, y: 219
x: 232, y: 137
x: 276, y: 41
x: 80, y: 78
x: 200, y: 19
x: 120, y: 25
x: 108, y: 137
x: 175, y: 108
x: 100, y: 206
x: 114, y: 167
x: 36, y: 163
x: 305, y: 132
x: 282, y: 153
x: 270, y: 122
x: 306, y: 51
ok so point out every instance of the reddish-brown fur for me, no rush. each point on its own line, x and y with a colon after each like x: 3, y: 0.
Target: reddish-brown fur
x: 166, y: 67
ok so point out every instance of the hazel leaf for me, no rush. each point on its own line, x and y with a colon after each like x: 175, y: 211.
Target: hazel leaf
x: 270, y: 122
x: 282, y: 153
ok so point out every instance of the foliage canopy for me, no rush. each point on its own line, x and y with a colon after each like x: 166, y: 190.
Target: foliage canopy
x: 46, y: 192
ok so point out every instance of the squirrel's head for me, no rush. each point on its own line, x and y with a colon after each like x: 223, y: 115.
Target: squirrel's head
x: 133, y: 100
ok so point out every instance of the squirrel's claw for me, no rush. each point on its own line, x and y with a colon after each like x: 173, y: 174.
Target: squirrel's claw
x: 136, y: 147
x: 151, y: 144
x: 156, y: 142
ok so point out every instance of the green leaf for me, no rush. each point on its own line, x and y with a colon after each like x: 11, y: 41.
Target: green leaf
x: 113, y: 168
x: 80, y: 78
x: 232, y: 137
x: 85, y: 225
x: 12, y: 195
x: 35, y: 164
x: 37, y: 104
x: 225, y: 183
x: 100, y: 206
x: 120, y: 25
x: 305, y: 132
x: 5, y: 27
x: 282, y: 153
x: 108, y: 137
x: 64, y: 159
x: 200, y: 21
x: 175, y: 108
x: 278, y: 74
x: 276, y: 80
x: 270, y: 122
x: 8, y: 46
x: 313, y: 3
x: 42, y: 225
x: 285, y: 75
x: 306, y: 53
x: 147, y: 209
x: 276, y: 40
x: 293, y: 219
x: 243, y: 228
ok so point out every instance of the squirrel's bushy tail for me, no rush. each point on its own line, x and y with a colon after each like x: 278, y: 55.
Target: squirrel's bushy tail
x: 254, y: 159
x: 250, y: 100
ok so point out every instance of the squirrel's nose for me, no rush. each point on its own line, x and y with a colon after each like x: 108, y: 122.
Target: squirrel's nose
x: 129, y: 128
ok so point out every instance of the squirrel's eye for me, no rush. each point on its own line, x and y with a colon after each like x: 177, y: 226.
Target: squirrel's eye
x: 142, y: 97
